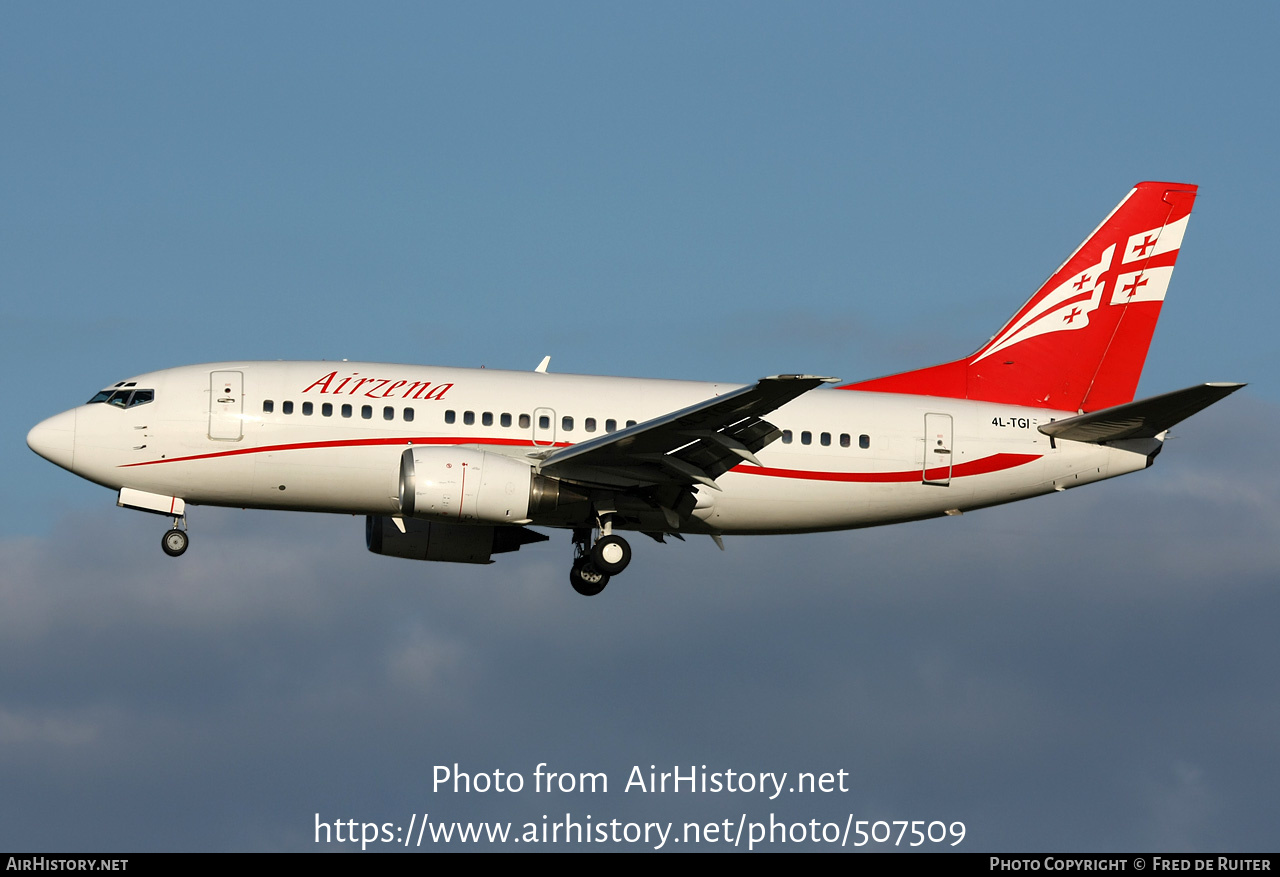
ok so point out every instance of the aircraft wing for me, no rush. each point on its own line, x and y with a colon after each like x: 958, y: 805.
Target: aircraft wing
x: 694, y: 445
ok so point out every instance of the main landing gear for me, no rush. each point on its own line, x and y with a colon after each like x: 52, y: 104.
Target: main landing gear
x: 586, y: 579
x: 594, y: 564
x: 174, y: 542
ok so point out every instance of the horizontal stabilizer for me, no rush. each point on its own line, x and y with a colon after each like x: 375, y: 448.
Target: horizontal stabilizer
x: 1145, y: 418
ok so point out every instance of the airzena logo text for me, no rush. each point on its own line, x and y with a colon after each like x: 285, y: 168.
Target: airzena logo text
x: 379, y: 388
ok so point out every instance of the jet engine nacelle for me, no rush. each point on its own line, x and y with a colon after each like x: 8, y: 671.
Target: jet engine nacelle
x: 464, y: 485
x: 432, y: 540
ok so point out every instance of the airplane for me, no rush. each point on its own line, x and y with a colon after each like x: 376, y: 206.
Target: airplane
x: 456, y: 464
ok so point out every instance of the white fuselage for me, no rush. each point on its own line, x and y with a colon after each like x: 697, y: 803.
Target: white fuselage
x: 328, y: 437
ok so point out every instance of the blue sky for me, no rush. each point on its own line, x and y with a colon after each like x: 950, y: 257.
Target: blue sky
x: 715, y: 191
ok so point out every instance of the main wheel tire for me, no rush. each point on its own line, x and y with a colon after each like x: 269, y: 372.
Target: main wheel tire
x: 610, y: 554
x: 586, y: 579
x: 174, y: 543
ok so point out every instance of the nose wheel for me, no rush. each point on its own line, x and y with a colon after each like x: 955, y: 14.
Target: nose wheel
x: 174, y: 542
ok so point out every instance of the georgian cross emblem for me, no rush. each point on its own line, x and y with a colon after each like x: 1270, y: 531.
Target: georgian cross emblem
x: 1131, y: 289
x: 1147, y: 243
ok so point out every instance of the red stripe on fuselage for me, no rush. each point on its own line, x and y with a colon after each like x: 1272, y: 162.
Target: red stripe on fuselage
x: 343, y: 443
x: 981, y: 466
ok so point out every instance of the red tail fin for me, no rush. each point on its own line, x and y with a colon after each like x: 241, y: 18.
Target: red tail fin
x: 1081, y: 341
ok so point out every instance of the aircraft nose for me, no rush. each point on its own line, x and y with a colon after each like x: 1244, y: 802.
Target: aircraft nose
x: 55, y: 439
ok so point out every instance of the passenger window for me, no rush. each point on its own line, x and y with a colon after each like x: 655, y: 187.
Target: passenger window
x: 844, y: 439
x: 544, y: 422
x: 450, y: 416
x: 388, y: 413
x: 630, y: 423
x: 505, y: 419
x: 366, y: 412
x: 346, y: 410
x: 487, y: 418
x: 806, y: 438
x: 589, y: 424
x: 286, y: 407
x: 327, y: 409
x: 825, y: 439
x: 524, y: 421
x: 566, y: 423
x: 786, y: 436
x: 408, y: 415
x: 268, y: 406
x: 864, y: 441
x: 468, y: 417
x: 611, y: 425
x: 307, y: 409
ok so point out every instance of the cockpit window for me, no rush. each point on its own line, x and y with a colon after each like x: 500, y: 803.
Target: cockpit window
x: 124, y: 398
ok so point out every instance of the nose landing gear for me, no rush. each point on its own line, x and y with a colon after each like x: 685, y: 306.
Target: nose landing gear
x: 174, y: 542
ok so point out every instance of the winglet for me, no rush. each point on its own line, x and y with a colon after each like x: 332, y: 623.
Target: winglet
x: 542, y: 366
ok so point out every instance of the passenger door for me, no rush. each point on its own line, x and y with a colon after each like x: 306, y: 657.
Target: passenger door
x: 226, y: 406
x: 937, y: 449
